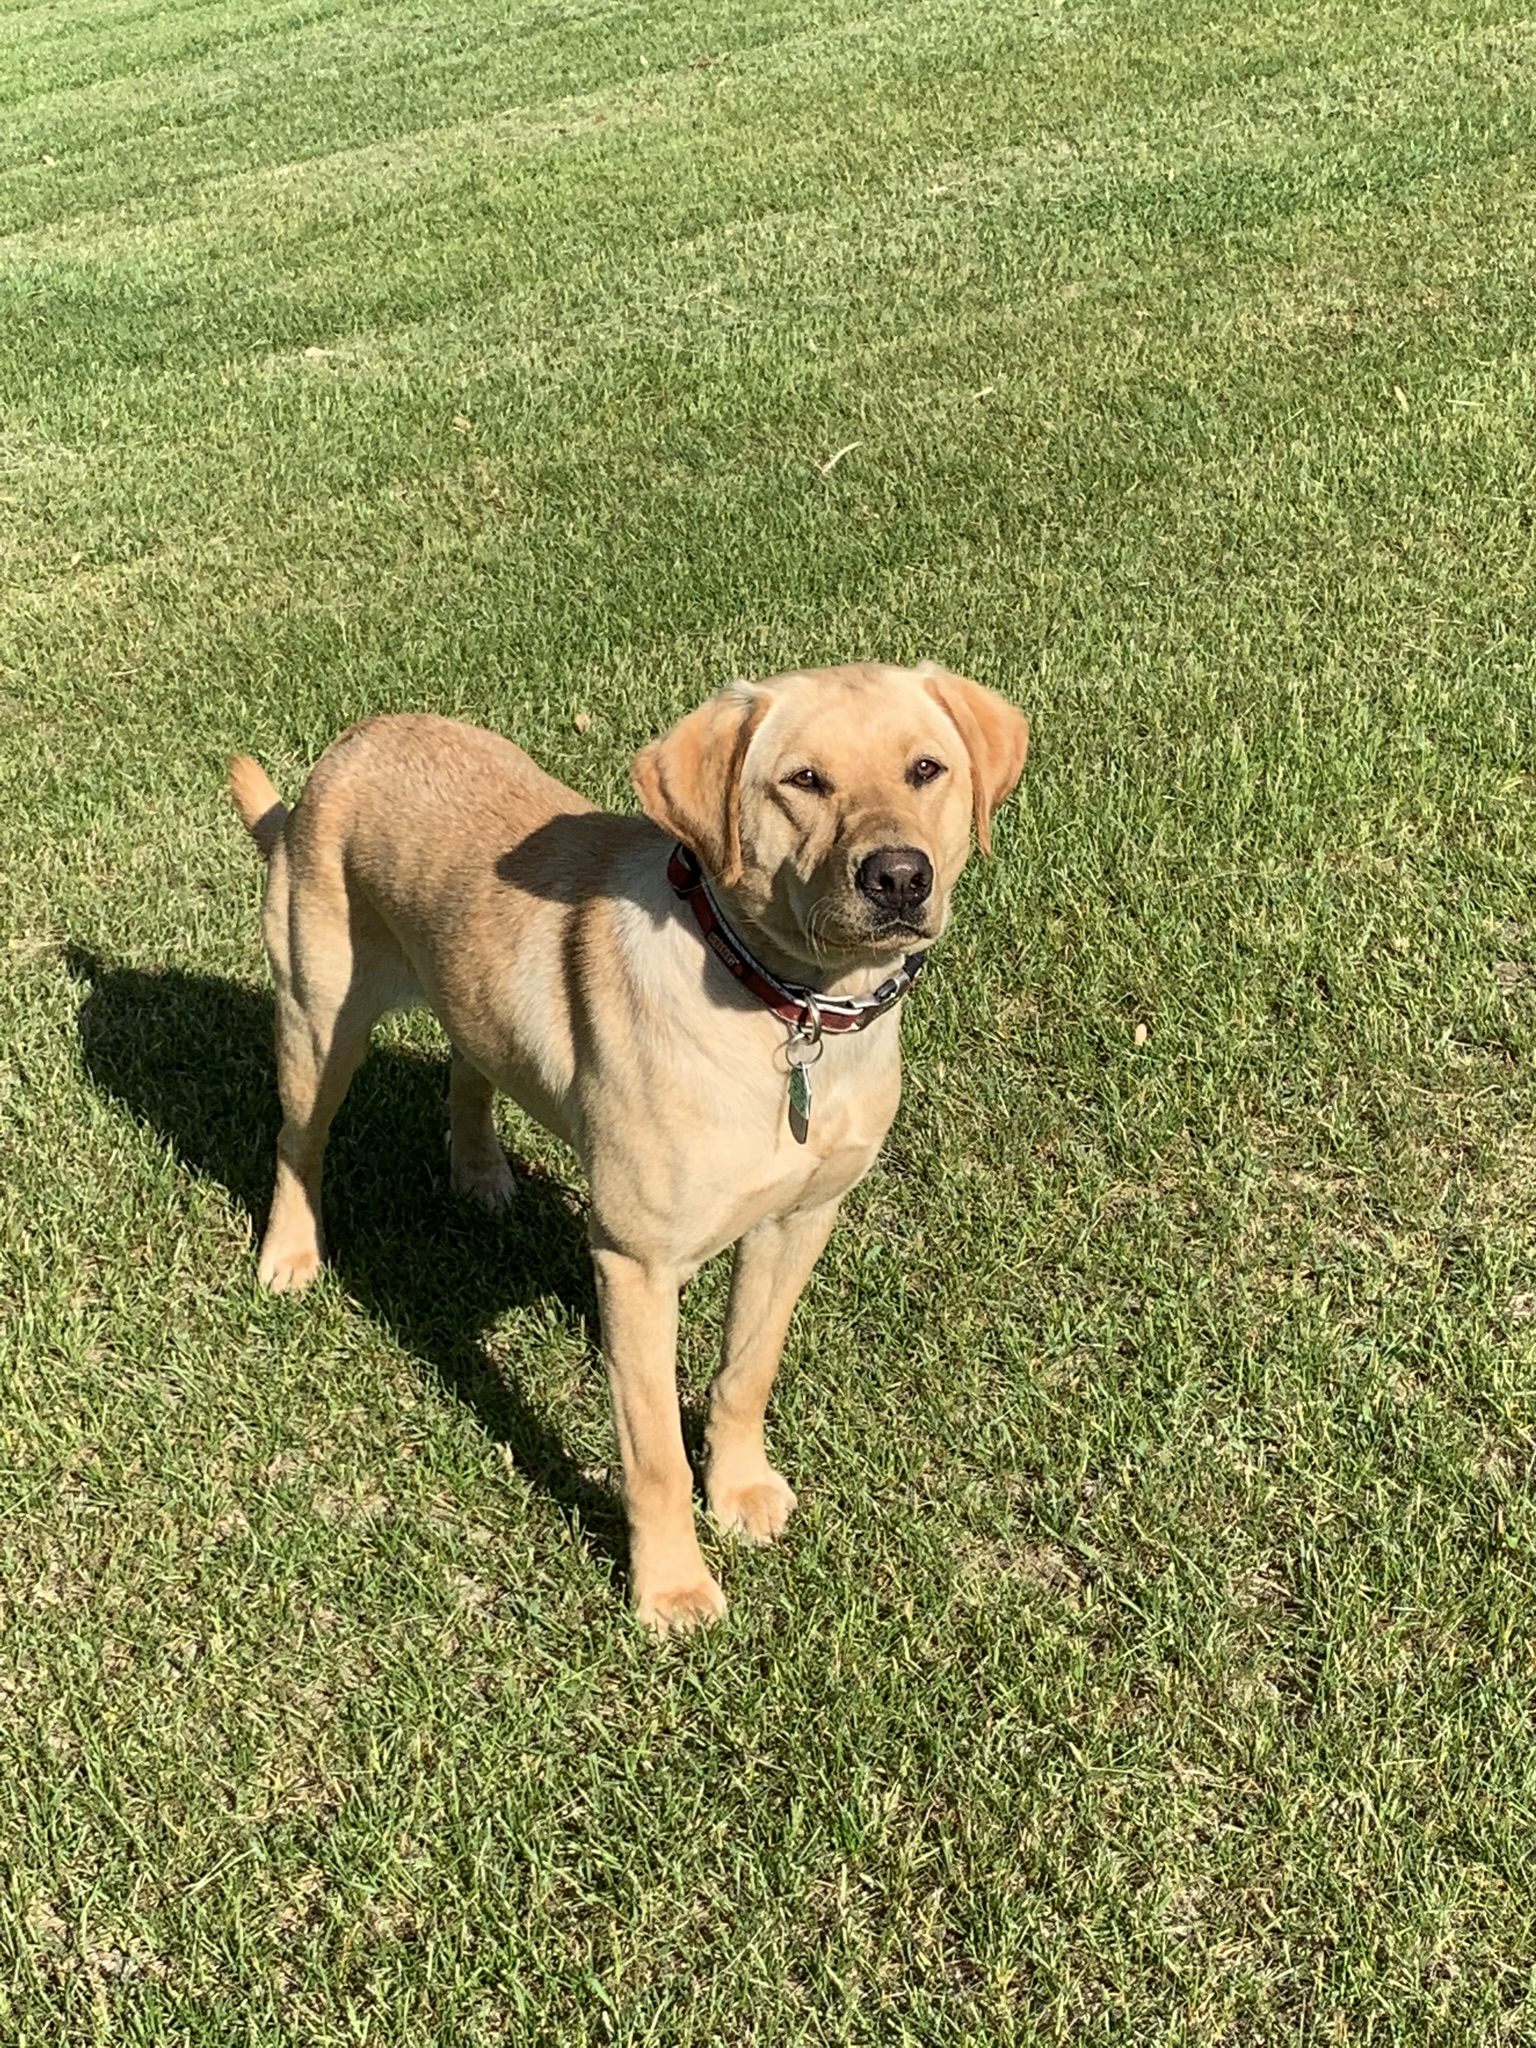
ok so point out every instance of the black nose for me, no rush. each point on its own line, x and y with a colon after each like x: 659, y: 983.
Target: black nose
x: 896, y: 879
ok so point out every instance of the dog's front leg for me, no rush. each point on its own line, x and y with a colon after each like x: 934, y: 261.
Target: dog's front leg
x: 773, y: 1263
x: 673, y: 1588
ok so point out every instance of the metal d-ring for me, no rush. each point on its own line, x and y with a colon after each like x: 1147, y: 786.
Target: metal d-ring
x: 808, y: 1035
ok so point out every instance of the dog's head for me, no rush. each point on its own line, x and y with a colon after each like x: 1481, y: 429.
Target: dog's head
x: 835, y: 806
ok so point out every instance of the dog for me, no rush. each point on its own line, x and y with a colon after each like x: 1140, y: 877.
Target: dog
x: 703, y: 1003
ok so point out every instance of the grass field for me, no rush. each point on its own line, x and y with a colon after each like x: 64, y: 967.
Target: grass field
x: 1152, y: 1659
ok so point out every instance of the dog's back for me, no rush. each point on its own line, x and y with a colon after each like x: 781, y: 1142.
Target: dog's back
x: 451, y: 782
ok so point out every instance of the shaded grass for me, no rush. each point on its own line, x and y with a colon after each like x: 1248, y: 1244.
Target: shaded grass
x: 1151, y: 1658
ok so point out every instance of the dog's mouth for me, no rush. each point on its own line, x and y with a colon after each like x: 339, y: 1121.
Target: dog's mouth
x: 840, y: 928
x: 891, y: 932
x: 899, y: 931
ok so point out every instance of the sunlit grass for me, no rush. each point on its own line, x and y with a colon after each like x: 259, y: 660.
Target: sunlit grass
x: 1150, y: 1660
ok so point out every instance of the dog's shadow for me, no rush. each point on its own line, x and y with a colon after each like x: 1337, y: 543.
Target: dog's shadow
x: 191, y: 1056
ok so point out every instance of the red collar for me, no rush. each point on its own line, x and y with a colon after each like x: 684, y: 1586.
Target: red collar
x: 809, y: 1013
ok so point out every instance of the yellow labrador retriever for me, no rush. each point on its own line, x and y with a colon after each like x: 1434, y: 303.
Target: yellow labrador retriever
x: 710, y: 1025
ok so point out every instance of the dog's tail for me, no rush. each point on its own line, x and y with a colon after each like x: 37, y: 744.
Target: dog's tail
x: 261, y: 809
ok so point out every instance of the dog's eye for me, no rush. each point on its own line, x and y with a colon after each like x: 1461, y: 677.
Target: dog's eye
x: 925, y: 770
x: 805, y: 778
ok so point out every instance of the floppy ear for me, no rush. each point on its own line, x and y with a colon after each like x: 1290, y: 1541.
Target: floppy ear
x: 996, y: 738
x: 689, y: 781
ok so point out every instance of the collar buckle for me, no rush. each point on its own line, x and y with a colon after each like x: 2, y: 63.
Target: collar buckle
x: 806, y: 1010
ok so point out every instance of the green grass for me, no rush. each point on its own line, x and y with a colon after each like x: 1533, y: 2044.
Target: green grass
x: 1151, y: 1660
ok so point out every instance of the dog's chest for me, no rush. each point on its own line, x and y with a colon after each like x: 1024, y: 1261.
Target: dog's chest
x: 823, y: 1120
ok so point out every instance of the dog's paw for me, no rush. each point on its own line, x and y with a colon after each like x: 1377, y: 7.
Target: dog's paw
x: 679, y: 1610
x: 490, y: 1182
x: 755, y: 1509
x: 287, y: 1269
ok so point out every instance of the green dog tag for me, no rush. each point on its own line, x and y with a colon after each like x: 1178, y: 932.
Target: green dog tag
x: 799, y: 1102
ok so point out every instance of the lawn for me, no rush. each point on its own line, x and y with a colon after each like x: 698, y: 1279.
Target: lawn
x: 1152, y: 1660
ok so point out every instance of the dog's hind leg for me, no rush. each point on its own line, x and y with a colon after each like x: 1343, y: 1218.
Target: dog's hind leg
x: 317, y: 1055
x: 330, y: 993
x: 477, y: 1165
